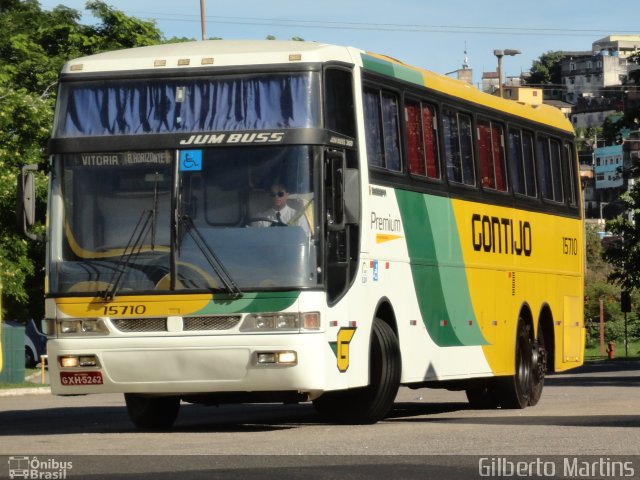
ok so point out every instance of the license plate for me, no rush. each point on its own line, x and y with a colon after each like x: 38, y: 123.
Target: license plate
x: 81, y: 378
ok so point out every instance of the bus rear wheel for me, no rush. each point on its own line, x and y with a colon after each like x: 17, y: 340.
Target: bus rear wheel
x: 152, y: 413
x: 371, y: 403
x: 539, y: 363
x: 515, y: 391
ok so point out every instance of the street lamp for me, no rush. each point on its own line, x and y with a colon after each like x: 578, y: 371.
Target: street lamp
x: 500, y: 54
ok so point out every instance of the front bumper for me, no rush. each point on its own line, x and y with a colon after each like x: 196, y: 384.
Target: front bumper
x: 192, y: 364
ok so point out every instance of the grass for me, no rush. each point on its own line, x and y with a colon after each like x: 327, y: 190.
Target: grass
x: 28, y: 372
x: 593, y: 352
x: 5, y: 385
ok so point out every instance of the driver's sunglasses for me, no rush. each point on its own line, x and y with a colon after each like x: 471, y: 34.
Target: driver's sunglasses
x: 277, y: 194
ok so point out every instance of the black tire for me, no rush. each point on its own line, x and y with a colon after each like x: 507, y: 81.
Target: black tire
x: 152, y: 413
x: 515, y: 391
x: 539, y: 368
x: 374, y: 402
x: 482, y: 398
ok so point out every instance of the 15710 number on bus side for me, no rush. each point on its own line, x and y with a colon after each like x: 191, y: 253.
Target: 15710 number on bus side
x: 569, y: 246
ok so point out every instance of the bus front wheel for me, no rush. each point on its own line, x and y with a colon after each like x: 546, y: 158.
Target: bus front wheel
x: 371, y: 403
x: 152, y: 413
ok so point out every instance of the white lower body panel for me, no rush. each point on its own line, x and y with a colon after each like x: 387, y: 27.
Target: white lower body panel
x: 195, y: 364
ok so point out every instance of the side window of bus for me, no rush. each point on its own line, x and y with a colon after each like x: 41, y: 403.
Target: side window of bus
x: 521, y: 162
x: 382, y: 129
x: 458, y: 147
x: 422, y: 139
x: 570, y: 162
x: 549, y: 169
x: 339, y: 109
x: 491, y: 155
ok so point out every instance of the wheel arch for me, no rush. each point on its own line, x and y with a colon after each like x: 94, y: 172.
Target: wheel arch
x: 527, y: 317
x: 384, y: 311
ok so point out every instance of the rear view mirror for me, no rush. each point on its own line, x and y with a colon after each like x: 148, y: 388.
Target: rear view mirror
x: 27, y: 200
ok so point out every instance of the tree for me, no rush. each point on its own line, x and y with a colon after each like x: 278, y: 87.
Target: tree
x: 613, y: 129
x: 586, y: 137
x: 598, y: 288
x: 34, y: 44
x: 623, y: 252
x: 546, y: 69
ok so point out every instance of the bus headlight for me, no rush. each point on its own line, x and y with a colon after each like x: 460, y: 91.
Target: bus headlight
x: 281, y: 322
x: 269, y: 322
x: 70, y: 326
x: 82, y: 326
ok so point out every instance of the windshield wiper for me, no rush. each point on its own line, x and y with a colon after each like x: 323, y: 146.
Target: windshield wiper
x: 146, y: 222
x: 192, y: 230
x: 131, y: 251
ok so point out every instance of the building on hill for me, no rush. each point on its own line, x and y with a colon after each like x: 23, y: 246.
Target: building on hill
x: 594, y: 80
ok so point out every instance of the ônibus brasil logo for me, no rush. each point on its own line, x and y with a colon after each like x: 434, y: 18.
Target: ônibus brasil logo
x: 35, y: 468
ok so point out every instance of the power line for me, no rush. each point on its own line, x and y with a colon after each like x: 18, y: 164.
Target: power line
x: 389, y: 27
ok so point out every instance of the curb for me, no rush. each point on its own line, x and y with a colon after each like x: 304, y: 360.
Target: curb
x: 16, y: 392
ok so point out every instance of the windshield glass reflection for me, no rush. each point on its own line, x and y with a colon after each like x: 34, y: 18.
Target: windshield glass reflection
x: 255, y: 209
x: 245, y: 217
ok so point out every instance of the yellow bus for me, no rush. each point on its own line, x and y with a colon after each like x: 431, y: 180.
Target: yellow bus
x: 240, y: 221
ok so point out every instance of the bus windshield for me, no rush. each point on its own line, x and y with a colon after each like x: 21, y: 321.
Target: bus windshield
x: 136, y: 221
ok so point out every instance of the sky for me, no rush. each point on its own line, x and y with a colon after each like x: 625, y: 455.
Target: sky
x: 429, y: 34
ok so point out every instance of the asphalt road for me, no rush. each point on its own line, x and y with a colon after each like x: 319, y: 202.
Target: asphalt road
x: 590, y: 414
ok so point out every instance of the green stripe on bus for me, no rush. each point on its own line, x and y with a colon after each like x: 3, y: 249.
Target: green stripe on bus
x: 377, y: 65
x: 250, y: 303
x: 438, y: 270
x: 392, y: 69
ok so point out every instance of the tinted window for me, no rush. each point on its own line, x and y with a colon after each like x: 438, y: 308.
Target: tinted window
x: 382, y: 129
x: 549, y: 169
x: 422, y: 139
x: 373, y: 127
x: 339, y: 110
x: 521, y: 162
x: 569, y: 160
x: 491, y: 155
x: 458, y: 147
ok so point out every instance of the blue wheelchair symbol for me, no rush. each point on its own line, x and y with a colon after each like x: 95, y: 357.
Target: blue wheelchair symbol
x: 190, y: 160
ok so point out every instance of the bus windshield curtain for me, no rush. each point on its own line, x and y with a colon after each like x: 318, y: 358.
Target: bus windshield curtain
x: 188, y: 105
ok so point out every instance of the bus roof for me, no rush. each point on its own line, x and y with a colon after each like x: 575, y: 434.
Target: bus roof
x: 225, y: 53
x: 545, y: 114
x: 210, y: 53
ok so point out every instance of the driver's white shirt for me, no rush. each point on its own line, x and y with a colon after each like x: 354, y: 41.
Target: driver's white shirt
x: 286, y: 214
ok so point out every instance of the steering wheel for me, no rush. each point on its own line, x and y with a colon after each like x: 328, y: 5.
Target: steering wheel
x: 273, y: 223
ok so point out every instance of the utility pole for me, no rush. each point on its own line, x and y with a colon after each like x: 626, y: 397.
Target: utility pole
x: 203, y: 24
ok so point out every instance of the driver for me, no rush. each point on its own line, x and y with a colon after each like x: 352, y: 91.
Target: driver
x: 280, y: 213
